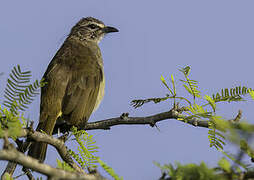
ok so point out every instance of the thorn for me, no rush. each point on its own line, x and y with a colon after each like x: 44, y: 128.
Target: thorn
x: 64, y: 137
x: 157, y: 128
x: 176, y: 106
x: 124, y: 115
x: 31, y: 125
x: 152, y: 124
x: 239, y: 116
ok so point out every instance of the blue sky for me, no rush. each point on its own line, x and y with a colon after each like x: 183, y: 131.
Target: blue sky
x: 156, y: 38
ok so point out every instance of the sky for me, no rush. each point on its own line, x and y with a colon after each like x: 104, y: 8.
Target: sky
x: 215, y: 38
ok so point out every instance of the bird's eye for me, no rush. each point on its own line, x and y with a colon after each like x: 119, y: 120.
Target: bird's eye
x: 92, y: 26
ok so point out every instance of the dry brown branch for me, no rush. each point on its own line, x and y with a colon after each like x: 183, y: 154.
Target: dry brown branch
x: 124, y: 119
x: 58, y: 144
x: 9, y: 153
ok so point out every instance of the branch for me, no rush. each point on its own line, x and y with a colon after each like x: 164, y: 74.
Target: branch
x: 124, y: 119
x: 174, y: 113
x: 10, y: 168
x: 41, y: 137
x: 149, y: 120
x: 58, y: 144
x: 9, y: 153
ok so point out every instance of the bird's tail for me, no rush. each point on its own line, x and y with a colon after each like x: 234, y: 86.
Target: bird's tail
x: 38, y: 149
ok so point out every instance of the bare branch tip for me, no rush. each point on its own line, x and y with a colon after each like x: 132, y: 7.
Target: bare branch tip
x: 238, y: 117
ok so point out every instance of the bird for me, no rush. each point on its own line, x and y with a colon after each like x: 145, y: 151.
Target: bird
x: 74, y: 81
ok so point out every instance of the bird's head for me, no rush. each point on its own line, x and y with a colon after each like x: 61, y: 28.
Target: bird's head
x: 91, y: 29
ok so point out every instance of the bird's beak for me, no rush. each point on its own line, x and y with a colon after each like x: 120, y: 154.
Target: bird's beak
x: 109, y: 29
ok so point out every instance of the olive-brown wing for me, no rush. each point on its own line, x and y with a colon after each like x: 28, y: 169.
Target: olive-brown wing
x: 57, y: 78
x: 84, y: 86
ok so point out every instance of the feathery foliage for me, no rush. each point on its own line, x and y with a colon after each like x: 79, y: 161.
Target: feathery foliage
x: 109, y: 170
x: 201, y: 171
x: 7, y: 177
x: 19, y: 93
x: 251, y: 92
x: 246, y: 148
x: 216, y: 138
x: 205, y: 109
x: 140, y: 102
x: 190, y: 85
x: 232, y: 94
x: 172, y: 95
x: 189, y: 171
x: 10, y: 123
x: 63, y: 165
x: 86, y: 149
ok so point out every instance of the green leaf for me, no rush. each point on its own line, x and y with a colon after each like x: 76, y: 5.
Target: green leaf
x: 164, y: 82
x: 233, y: 159
x: 109, y: 170
x: 225, y: 165
x: 7, y: 176
x: 185, y: 70
x: 19, y: 93
x: 210, y: 101
x: 63, y: 165
x: 86, y: 149
x: 173, y: 83
x: 188, y: 89
x: 232, y: 94
x: 251, y: 92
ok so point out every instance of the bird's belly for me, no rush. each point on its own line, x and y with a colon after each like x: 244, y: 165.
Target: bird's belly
x: 100, y: 95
